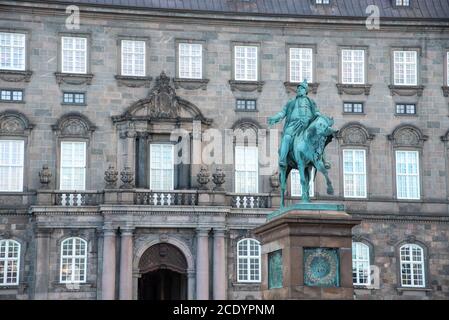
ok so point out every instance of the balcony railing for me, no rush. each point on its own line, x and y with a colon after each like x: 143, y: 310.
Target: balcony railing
x: 78, y: 198
x: 167, y: 198
x: 248, y: 201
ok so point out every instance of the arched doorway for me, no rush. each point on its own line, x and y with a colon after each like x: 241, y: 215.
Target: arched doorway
x: 163, y: 269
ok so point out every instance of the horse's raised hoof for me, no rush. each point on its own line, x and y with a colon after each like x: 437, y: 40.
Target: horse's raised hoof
x: 330, y: 190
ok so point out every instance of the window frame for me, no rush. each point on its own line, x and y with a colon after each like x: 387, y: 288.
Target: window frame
x: 352, y: 103
x: 73, y: 257
x: 418, y: 53
x: 178, y: 43
x: 446, y: 67
x: 423, y: 263
x: 291, y: 46
x: 88, y: 61
x: 311, y: 185
x: 418, y: 157
x: 341, y: 49
x: 347, y: 149
x: 368, y: 282
x: 257, y: 170
x: 86, y: 148
x: 258, y: 60
x: 150, y: 175
x: 12, y: 90
x: 26, y: 58
x: 122, y: 73
x: 24, y: 160
x: 246, y: 105
x: 74, y: 103
x: 6, y: 260
x: 248, y: 258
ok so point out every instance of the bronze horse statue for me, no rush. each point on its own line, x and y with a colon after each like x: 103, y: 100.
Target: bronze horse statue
x: 307, y: 152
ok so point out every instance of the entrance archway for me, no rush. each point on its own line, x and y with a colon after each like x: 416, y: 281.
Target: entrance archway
x: 163, y: 269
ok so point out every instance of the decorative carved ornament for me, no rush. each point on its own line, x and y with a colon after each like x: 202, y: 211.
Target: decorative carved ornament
x: 73, y: 79
x: 355, y: 134
x: 354, y: 89
x: 14, y: 123
x: 246, y: 86
x: 292, y: 86
x: 133, y: 82
x: 162, y: 104
x: 16, y: 76
x: 407, y: 136
x: 190, y: 84
x: 445, y: 91
x: 163, y: 256
x: 74, y: 125
x: 406, y: 91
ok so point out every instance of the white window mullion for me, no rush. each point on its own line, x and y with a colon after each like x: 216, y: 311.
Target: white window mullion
x: 161, y: 167
x: 407, y: 175
x: 12, y: 51
x: 74, y: 55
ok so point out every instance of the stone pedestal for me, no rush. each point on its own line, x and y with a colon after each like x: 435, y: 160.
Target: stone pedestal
x: 306, y: 253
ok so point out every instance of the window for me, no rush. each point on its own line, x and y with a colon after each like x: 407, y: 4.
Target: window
x: 246, y: 169
x: 354, y: 171
x: 133, y: 58
x: 245, y: 63
x: 296, y: 189
x: 405, y: 68
x: 245, y: 105
x: 412, y: 266
x: 190, y: 60
x: 353, y: 107
x: 322, y: 1
x: 73, y: 260
x: 11, y: 165
x: 360, y: 264
x: 447, y: 68
x: 78, y: 98
x: 407, y: 175
x: 402, y: 3
x: 161, y: 167
x: 353, y: 66
x: 8, y: 95
x: 405, y: 108
x: 12, y: 51
x: 248, y: 261
x: 74, y: 55
x: 301, y: 64
x: 73, y: 166
x: 9, y: 262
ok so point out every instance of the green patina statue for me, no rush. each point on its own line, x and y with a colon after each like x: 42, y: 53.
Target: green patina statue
x: 306, y: 134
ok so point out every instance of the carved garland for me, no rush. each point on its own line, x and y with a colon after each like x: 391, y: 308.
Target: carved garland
x: 407, y: 136
x: 74, y: 125
x: 14, y: 123
x: 355, y: 134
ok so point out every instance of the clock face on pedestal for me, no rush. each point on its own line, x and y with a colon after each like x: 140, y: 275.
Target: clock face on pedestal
x: 321, y: 267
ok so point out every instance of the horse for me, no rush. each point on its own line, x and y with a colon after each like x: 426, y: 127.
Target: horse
x: 306, y: 152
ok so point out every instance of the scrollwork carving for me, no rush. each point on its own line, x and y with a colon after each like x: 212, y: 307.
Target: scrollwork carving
x: 74, y: 125
x: 355, y: 134
x: 407, y: 135
x: 14, y: 123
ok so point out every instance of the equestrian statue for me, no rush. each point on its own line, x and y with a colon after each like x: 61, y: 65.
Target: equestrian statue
x: 306, y: 134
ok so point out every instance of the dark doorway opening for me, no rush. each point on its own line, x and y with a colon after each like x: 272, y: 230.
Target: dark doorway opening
x: 163, y: 284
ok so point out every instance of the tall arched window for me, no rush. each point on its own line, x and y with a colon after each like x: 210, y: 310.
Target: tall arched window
x: 73, y: 260
x: 248, y: 260
x: 360, y: 264
x: 9, y: 262
x: 412, y: 265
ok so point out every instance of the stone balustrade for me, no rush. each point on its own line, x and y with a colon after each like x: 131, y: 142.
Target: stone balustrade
x: 167, y: 198
x: 248, y: 201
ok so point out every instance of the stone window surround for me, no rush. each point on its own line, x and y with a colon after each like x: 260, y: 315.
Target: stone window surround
x: 234, y: 276
x: 25, y: 136
x: 247, y: 282
x: 22, y: 262
x: 246, y: 86
x: 363, y: 103
x: 427, y: 281
x: 74, y: 104
x: 365, y: 241
x: 291, y: 86
x: 187, y: 83
x: 13, y: 89
x: 133, y: 81
x: 367, y: 172
x: 85, y: 242
x: 75, y: 78
x: 396, y: 114
x: 445, y: 86
x: 406, y: 90
x: 16, y: 75
x: 353, y: 89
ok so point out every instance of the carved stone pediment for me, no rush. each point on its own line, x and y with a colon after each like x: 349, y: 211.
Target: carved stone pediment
x: 354, y: 89
x: 406, y: 91
x: 191, y: 84
x: 162, y: 104
x: 74, y: 125
x: 407, y: 136
x: 355, y: 133
x: 73, y: 79
x: 13, y: 123
x: 246, y: 86
x: 133, y: 82
x: 15, y: 76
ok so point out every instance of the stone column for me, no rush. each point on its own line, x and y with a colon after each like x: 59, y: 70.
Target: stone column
x: 202, y: 264
x: 219, y: 265
x: 108, y: 274
x: 190, y: 285
x: 126, y: 264
x: 42, y: 264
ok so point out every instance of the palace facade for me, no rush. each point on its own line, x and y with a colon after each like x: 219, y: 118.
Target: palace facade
x: 97, y: 98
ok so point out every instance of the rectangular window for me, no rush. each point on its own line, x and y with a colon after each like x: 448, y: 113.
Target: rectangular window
x: 12, y: 51
x: 402, y: 3
x: 246, y: 169
x: 133, y: 58
x: 11, y: 165
x: 161, y: 167
x: 245, y: 105
x: 74, y: 55
x: 352, y: 107
x: 447, y: 68
x: 7, y: 95
x: 78, y: 98
x: 301, y: 64
x: 406, y: 68
x: 353, y: 66
x: 322, y: 1
x: 245, y: 63
x: 296, y: 189
x: 406, y: 109
x: 407, y: 175
x: 354, y: 171
x: 73, y: 166
x: 191, y: 60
